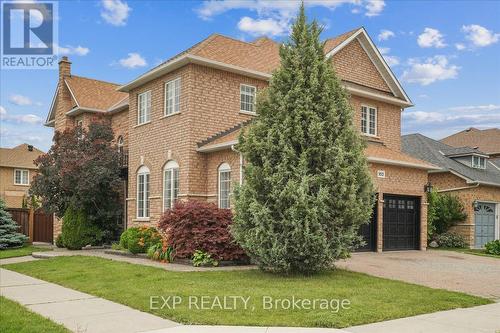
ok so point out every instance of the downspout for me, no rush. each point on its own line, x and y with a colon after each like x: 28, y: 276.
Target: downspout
x: 241, y: 163
x: 459, y: 188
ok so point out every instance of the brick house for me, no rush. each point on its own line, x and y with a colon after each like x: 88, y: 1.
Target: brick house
x: 472, y: 176
x: 17, y: 169
x: 184, y: 117
x: 487, y: 140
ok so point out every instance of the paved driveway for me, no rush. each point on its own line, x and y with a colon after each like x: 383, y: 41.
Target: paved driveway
x: 437, y: 269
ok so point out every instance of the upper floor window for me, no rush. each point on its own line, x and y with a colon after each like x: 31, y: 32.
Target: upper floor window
x: 224, y: 185
x: 144, y: 107
x: 247, y: 98
x: 478, y: 162
x: 79, y: 123
x: 21, y: 177
x: 368, y: 120
x: 119, y: 144
x: 143, y: 192
x: 172, y: 96
x: 170, y: 184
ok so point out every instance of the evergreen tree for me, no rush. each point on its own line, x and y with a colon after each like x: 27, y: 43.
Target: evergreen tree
x: 9, y: 237
x: 307, y: 187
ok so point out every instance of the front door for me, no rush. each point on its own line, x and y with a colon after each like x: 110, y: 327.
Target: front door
x: 484, y: 219
x: 401, y: 223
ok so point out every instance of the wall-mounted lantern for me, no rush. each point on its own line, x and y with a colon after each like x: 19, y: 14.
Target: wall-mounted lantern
x: 428, y: 187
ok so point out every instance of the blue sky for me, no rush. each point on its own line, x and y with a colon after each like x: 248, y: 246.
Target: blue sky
x: 445, y: 53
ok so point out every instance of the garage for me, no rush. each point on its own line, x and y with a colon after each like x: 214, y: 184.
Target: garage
x: 484, y: 220
x: 401, y: 223
x: 369, y: 233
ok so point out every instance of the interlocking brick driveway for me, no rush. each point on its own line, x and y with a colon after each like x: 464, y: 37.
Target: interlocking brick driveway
x: 467, y: 273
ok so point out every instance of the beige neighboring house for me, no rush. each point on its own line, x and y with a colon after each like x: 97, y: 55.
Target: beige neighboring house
x: 17, y: 169
x: 486, y: 140
x: 180, y: 122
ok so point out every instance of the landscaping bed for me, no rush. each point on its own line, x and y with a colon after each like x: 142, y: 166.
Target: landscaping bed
x: 22, y: 251
x: 14, y: 318
x: 371, y: 299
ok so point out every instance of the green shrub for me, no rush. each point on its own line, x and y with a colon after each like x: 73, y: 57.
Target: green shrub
x: 451, y: 240
x: 139, y: 239
x: 9, y: 237
x: 202, y: 258
x: 493, y: 247
x: 60, y: 241
x: 444, y: 211
x: 161, y: 252
x: 77, y: 231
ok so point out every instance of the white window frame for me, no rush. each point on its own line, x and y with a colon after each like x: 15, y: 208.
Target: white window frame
x: 176, y: 97
x: 143, y: 172
x: 22, y: 171
x: 147, y: 110
x: 375, y: 129
x: 479, y: 165
x: 223, y: 168
x: 247, y: 94
x: 171, y: 170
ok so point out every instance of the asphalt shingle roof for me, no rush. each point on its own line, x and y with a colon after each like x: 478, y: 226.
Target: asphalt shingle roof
x: 430, y: 150
x: 19, y: 157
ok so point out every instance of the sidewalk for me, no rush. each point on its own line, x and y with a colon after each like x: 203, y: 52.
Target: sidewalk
x: 82, y: 312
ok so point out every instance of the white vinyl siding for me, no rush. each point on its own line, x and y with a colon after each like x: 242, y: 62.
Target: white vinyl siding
x: 478, y: 162
x: 247, y: 98
x: 21, y: 177
x: 144, y: 107
x: 224, y: 186
x: 170, y: 184
x: 143, y: 193
x: 172, y: 96
x: 368, y: 120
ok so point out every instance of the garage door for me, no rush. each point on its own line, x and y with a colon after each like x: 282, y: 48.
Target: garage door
x: 368, y: 232
x: 484, y: 219
x: 401, y: 223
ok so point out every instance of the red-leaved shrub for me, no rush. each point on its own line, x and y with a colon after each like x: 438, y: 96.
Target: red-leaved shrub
x: 195, y: 225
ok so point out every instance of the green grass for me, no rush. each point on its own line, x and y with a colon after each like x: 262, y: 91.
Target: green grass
x: 14, y: 318
x: 22, y: 251
x: 477, y: 252
x: 372, y: 299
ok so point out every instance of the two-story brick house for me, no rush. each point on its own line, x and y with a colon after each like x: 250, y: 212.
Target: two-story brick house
x: 184, y: 117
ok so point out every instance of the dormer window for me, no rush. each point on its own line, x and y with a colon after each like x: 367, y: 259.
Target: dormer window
x: 478, y: 162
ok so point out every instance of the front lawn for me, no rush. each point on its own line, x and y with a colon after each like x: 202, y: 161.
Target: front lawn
x: 14, y: 318
x: 22, y: 251
x: 372, y: 299
x: 477, y: 252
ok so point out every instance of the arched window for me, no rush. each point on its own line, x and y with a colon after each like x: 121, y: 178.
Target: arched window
x: 170, y: 184
x: 143, y: 192
x: 224, y: 185
x: 119, y: 144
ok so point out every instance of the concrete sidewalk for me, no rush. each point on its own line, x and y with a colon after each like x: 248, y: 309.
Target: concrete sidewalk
x: 82, y: 312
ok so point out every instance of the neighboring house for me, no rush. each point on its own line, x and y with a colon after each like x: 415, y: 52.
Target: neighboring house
x: 184, y: 117
x: 17, y: 169
x: 469, y: 174
x: 487, y: 140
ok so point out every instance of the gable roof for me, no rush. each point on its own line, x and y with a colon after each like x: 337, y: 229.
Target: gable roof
x: 487, y: 140
x: 260, y: 58
x: 19, y: 156
x: 431, y: 151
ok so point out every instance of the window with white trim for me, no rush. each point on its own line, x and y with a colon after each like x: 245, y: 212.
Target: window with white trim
x: 170, y: 184
x: 224, y: 187
x: 143, y: 192
x: 144, y: 107
x: 368, y: 120
x: 173, y: 96
x: 21, y: 177
x: 478, y: 162
x: 247, y: 98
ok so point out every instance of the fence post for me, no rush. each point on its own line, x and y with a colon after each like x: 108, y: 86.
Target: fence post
x: 31, y: 224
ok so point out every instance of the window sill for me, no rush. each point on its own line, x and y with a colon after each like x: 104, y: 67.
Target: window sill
x: 138, y: 125
x: 170, y: 115
x: 371, y: 136
x: 141, y: 219
x: 248, y: 113
x: 21, y: 184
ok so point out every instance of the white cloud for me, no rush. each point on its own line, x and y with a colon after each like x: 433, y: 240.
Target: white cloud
x: 115, y: 12
x: 374, y: 7
x: 20, y: 100
x: 480, y: 36
x: 30, y: 119
x: 475, y: 108
x: 2, y: 111
x: 431, y: 70
x: 385, y: 34
x: 384, y: 50
x: 71, y: 50
x: 133, y: 60
x: 431, y: 38
x: 460, y: 46
x: 259, y: 27
x: 391, y: 60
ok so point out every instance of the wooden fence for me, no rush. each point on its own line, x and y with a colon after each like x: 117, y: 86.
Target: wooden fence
x: 43, y: 224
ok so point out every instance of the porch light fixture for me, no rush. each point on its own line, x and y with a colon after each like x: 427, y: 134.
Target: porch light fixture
x: 475, y: 204
x: 428, y: 187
